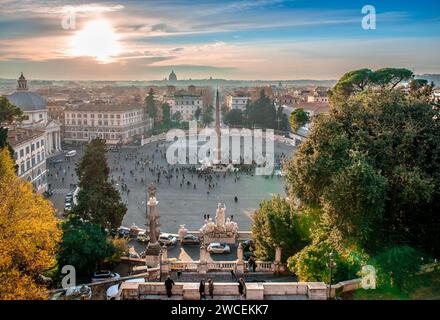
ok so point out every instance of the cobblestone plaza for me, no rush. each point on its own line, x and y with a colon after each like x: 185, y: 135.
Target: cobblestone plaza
x: 178, y: 204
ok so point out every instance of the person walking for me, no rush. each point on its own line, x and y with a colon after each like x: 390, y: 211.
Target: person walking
x: 169, y: 283
x: 202, y: 290
x: 241, y: 287
x: 211, y: 288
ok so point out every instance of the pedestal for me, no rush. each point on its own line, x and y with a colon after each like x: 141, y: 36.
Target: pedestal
x: 152, y: 254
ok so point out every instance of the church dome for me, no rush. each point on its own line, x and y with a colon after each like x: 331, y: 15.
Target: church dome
x: 25, y: 100
x: 172, y: 76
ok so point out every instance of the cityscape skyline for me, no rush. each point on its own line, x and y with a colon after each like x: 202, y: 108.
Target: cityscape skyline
x: 132, y: 40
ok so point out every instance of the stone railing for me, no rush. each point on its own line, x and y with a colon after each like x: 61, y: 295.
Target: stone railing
x: 264, y: 266
x: 229, y: 290
x: 222, y: 265
x: 184, y: 266
x: 344, y: 286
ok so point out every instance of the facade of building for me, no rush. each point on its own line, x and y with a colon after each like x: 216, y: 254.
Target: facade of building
x: 30, y: 155
x: 238, y: 102
x: 186, y: 104
x: 115, y: 123
x: 35, y: 109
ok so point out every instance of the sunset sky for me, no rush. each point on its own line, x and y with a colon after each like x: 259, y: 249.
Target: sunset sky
x: 237, y: 39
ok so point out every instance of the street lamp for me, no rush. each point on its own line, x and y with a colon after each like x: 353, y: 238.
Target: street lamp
x: 331, y: 265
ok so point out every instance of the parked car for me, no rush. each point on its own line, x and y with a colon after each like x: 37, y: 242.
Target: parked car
x: 56, y: 161
x: 67, y: 206
x: 112, y: 292
x: 71, y: 154
x: 216, y: 247
x: 167, y: 239
x: 142, y: 237
x: 124, y: 232
x: 104, y: 275
x: 190, y: 239
x: 48, y: 193
x: 74, y: 293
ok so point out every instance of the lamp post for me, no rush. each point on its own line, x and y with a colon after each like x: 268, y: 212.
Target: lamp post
x: 331, y: 265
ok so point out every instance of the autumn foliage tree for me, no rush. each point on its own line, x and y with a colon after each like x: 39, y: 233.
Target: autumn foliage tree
x: 29, y: 235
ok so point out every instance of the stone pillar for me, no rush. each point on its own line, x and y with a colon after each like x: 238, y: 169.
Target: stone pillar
x: 165, y: 265
x: 277, y: 262
x: 203, y: 265
x: 241, y: 265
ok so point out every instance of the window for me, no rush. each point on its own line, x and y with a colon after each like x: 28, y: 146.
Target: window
x: 38, y: 144
x: 21, y: 153
x: 15, y: 155
x: 28, y: 164
x: 22, y: 167
x: 41, y: 115
x: 99, y: 116
x: 42, y: 142
x: 27, y: 150
x: 32, y: 147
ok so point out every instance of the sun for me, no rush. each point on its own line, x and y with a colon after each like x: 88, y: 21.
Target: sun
x: 98, y: 40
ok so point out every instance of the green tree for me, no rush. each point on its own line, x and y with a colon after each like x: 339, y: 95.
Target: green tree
x: 177, y: 116
x: 275, y: 225
x: 8, y: 114
x: 374, y: 161
x: 166, y: 113
x: 84, y: 245
x: 98, y: 200
x: 207, y: 116
x: 357, y: 81
x: 198, y: 113
x: 150, y: 104
x: 396, y: 266
x: 298, y: 118
x: 234, y: 117
x: 261, y: 113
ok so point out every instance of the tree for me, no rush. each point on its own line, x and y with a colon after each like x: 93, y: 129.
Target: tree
x: 198, y: 113
x: 207, y: 116
x: 275, y: 225
x: 166, y: 113
x: 84, y: 245
x: 177, y: 116
x: 261, y: 113
x: 29, y: 235
x: 8, y: 114
x: 396, y: 265
x: 357, y: 81
x: 150, y: 104
x: 298, y: 118
x: 234, y: 117
x: 98, y: 200
x: 374, y: 161
x: 312, y: 262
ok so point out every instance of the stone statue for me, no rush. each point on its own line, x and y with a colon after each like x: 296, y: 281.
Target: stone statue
x: 220, y: 216
x: 152, y: 190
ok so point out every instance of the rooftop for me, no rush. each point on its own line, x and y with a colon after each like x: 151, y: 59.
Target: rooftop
x: 18, y: 136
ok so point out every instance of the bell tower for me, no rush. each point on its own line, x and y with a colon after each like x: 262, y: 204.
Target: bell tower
x: 22, y: 83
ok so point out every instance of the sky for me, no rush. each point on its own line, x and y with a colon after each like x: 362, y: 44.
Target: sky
x: 198, y: 39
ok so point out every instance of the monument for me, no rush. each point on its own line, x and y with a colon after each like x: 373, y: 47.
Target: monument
x: 153, y: 250
x: 220, y: 230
